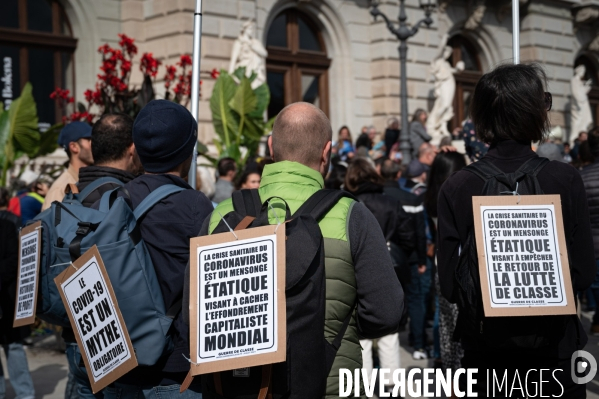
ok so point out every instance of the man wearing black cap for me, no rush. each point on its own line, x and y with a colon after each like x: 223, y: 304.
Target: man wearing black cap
x: 75, y: 138
x: 164, y: 134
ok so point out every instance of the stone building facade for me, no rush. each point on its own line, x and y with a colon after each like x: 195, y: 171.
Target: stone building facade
x: 330, y: 52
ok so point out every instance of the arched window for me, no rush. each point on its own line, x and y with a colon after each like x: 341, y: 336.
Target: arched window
x: 591, y: 73
x: 36, y: 45
x: 463, y: 50
x: 297, y: 63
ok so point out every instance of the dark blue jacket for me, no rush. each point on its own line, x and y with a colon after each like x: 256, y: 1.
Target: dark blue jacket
x: 166, y: 230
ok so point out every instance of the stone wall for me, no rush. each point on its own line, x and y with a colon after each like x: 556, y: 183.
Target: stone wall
x: 364, y: 75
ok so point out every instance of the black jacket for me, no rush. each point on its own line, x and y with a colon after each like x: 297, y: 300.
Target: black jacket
x: 456, y: 220
x: 396, y: 224
x: 590, y: 177
x: 11, y: 217
x: 166, y: 230
x: 9, y: 258
x: 412, y: 204
x: 89, y: 174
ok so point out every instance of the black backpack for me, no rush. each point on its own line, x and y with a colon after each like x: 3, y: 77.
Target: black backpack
x: 497, y: 333
x: 309, y: 355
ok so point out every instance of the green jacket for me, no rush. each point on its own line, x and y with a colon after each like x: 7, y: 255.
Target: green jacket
x: 295, y: 183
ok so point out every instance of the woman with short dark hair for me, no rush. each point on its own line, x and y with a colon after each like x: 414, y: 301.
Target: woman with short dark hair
x: 510, y: 111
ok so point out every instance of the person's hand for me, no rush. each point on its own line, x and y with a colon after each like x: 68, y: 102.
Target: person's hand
x: 350, y: 155
x: 456, y: 131
x: 421, y: 269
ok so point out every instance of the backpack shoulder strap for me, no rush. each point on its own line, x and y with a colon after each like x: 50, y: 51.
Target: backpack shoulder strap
x: 247, y: 202
x: 321, y: 202
x: 484, y: 169
x: 93, y: 186
x: 533, y: 166
x: 154, y: 197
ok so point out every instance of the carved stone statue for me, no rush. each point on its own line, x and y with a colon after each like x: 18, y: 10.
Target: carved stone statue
x: 476, y: 18
x: 249, y: 52
x: 580, y: 111
x: 442, y: 111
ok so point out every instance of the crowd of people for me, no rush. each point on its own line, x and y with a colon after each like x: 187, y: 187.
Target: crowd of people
x: 402, y: 235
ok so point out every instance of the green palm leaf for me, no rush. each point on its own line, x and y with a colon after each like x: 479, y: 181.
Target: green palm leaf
x: 243, y: 103
x: 23, y: 130
x: 3, y: 133
x: 49, y: 140
x: 19, y: 130
x: 223, y: 119
x: 263, y: 99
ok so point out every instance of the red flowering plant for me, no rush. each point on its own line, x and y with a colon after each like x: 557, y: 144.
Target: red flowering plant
x: 113, y: 91
x: 177, y: 80
x: 64, y: 101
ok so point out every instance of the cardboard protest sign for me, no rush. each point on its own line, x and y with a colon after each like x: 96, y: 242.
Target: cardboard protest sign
x: 522, y: 255
x: 94, y: 313
x: 237, y: 299
x: 28, y: 274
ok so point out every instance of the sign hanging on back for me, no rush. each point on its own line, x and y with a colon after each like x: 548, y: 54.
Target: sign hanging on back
x: 522, y: 255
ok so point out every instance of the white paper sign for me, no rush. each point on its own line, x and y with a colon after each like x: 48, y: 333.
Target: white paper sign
x: 522, y: 256
x: 237, y: 299
x: 95, y: 319
x: 27, y: 282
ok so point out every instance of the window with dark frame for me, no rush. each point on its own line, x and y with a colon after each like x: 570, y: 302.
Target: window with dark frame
x: 36, y: 45
x: 463, y: 50
x: 297, y: 64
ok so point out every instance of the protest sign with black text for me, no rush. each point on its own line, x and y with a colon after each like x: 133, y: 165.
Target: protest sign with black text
x: 94, y: 313
x: 28, y: 274
x: 523, y: 261
x: 237, y: 299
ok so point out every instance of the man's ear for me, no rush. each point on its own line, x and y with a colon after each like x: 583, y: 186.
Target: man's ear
x: 272, y: 153
x: 326, y: 152
x: 131, y: 151
x: 74, y: 147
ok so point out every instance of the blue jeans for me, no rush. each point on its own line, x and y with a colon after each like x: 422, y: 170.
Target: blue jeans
x: 84, y: 388
x: 124, y: 391
x: 416, y: 293
x: 18, y: 371
x: 595, y: 289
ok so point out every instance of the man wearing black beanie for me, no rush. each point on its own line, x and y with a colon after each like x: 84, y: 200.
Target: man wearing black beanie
x: 164, y: 134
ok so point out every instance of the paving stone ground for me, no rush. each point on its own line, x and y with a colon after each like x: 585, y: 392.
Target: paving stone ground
x: 49, y: 366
